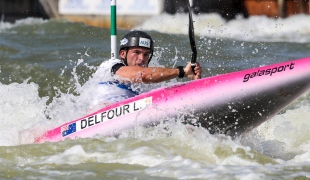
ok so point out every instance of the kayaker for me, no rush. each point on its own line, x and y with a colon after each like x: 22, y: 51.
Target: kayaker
x: 136, y: 51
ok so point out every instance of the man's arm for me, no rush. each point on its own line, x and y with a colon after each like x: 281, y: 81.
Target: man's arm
x: 147, y: 74
x: 155, y: 74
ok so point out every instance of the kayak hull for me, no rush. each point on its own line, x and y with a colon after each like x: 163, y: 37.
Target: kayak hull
x: 231, y: 103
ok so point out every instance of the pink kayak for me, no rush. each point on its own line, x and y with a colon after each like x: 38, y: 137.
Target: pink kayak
x: 231, y: 103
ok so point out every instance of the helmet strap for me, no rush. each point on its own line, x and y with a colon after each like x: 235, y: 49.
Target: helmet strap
x: 150, y: 58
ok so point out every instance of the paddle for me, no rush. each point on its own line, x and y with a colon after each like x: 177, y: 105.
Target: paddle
x: 113, y: 30
x: 192, y: 37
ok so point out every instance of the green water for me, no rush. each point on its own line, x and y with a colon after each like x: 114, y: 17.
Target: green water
x: 43, y: 65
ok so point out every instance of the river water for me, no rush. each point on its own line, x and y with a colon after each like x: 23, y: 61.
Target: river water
x: 44, y: 65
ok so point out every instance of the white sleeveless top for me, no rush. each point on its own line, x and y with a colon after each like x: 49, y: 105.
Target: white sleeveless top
x: 109, y: 90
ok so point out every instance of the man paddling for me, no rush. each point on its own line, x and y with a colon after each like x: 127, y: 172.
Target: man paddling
x: 136, y: 51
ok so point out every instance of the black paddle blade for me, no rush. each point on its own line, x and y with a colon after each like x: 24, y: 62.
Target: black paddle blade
x: 191, y: 35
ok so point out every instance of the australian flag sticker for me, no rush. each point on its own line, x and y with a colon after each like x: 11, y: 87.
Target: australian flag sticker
x: 68, y: 129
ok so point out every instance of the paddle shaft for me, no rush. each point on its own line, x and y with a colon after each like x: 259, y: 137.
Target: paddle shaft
x: 191, y: 35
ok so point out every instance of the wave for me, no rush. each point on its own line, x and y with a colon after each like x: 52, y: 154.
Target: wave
x: 21, y: 22
x: 255, y: 28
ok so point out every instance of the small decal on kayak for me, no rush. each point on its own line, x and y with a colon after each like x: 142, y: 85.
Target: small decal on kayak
x: 68, y: 129
x: 269, y: 71
x: 106, y: 116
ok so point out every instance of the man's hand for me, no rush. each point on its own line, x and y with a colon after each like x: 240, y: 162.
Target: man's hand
x: 190, y: 74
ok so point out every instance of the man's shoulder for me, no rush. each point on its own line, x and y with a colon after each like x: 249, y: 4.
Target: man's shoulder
x: 105, y: 69
x: 111, y: 62
x: 115, y: 60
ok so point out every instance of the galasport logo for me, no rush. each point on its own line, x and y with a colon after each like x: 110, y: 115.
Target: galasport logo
x: 269, y: 71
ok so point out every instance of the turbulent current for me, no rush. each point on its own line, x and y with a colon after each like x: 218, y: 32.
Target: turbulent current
x: 46, y: 69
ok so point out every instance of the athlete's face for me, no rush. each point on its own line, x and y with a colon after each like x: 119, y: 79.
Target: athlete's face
x: 136, y: 56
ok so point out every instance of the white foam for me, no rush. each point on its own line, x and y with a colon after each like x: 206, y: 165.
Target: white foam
x: 283, y: 136
x: 255, y: 28
x: 21, y: 22
x: 21, y: 108
x: 176, y: 151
